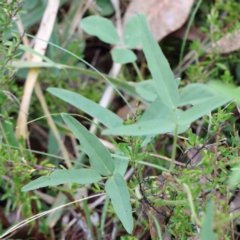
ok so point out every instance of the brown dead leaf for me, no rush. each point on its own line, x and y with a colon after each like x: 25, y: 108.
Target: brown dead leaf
x: 164, y: 16
x: 229, y: 43
x: 194, y: 33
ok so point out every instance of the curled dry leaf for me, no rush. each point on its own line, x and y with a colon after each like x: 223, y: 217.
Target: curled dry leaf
x: 164, y: 16
x: 229, y: 43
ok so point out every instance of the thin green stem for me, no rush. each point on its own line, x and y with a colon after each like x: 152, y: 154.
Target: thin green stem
x: 210, y: 124
x: 34, y: 151
x: 190, y: 199
x: 153, y: 165
x: 156, y: 223
x: 174, y: 148
x: 188, y: 29
x: 137, y: 71
x: 104, y: 214
x: 88, y: 218
x: 142, y: 163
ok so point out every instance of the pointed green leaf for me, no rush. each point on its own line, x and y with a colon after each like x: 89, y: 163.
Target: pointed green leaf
x: 199, y: 110
x: 195, y: 93
x: 101, y: 28
x: 105, y: 7
x: 207, y: 227
x: 157, y: 126
x: 123, y: 56
x: 81, y: 176
x: 117, y: 191
x: 227, y: 90
x: 157, y: 110
x: 93, y: 109
x: 159, y: 67
x: 38, y: 183
x: 99, y: 157
x: 132, y: 34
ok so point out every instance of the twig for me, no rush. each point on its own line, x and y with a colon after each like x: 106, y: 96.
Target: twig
x: 168, y: 159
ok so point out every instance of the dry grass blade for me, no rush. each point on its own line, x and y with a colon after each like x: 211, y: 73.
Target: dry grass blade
x: 21, y: 224
x: 44, y: 32
x: 38, y: 90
